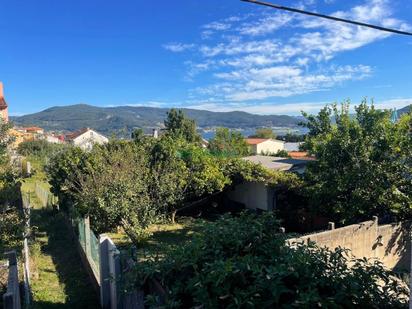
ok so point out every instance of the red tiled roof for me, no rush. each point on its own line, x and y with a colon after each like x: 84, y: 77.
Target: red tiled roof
x: 255, y: 141
x: 301, y: 155
x: 29, y: 129
x: 77, y: 133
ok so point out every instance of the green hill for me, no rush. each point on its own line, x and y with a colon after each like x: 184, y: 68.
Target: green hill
x: 108, y: 120
x: 404, y: 110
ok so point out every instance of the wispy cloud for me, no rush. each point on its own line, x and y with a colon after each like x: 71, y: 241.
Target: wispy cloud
x: 178, y: 47
x: 265, y: 55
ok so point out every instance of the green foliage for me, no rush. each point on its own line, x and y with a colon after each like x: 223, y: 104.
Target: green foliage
x: 243, y: 263
x: 10, y: 218
x: 292, y: 138
x: 279, y: 153
x: 65, y: 167
x: 238, y: 171
x: 179, y: 126
x: 5, y: 140
x: 113, y: 189
x: 39, y: 148
x: 361, y: 166
x: 264, y: 133
x: 134, y: 183
x: 228, y: 143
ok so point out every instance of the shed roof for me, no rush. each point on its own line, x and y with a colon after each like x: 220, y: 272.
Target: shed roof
x: 277, y: 163
x: 255, y: 141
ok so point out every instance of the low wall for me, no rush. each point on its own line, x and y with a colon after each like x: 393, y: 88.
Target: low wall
x: 11, y: 299
x: 389, y: 243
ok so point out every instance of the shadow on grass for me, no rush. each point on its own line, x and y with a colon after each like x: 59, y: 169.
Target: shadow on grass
x: 166, y: 237
x: 77, y: 291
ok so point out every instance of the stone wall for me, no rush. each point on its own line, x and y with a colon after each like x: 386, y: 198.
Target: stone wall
x: 389, y: 243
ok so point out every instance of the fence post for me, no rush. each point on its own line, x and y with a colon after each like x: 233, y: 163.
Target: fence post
x: 28, y: 169
x: 104, y: 272
x: 87, y: 236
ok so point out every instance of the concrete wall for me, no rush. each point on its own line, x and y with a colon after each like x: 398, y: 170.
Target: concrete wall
x: 254, y: 195
x: 388, y: 243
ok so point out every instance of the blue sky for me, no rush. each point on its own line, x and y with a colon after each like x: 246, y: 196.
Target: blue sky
x: 218, y: 55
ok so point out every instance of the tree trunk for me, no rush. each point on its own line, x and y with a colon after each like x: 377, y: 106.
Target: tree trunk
x: 173, y: 216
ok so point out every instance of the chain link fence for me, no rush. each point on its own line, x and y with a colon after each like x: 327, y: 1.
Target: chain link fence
x: 46, y: 198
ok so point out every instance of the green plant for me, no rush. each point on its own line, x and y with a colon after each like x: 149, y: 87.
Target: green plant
x: 228, y: 143
x: 362, y: 165
x: 244, y: 263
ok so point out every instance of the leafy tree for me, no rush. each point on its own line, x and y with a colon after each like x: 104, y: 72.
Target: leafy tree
x: 179, y: 126
x: 169, y: 175
x: 138, y: 135
x: 10, y: 218
x: 264, y: 133
x: 292, y: 138
x: 243, y: 263
x: 228, y: 143
x: 360, y: 168
x: 182, y: 173
x: 63, y: 167
x: 113, y: 191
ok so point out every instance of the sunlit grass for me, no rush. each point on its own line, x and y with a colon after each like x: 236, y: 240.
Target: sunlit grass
x: 58, y: 279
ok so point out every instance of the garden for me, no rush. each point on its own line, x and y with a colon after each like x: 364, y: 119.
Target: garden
x: 139, y: 192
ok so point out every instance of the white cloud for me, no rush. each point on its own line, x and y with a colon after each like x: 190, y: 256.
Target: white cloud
x: 217, y: 26
x: 178, y: 47
x: 288, y: 108
x: 253, y: 58
x: 265, y: 25
x: 280, y: 81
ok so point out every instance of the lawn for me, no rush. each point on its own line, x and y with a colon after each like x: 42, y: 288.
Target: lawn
x: 164, y: 237
x: 58, y: 278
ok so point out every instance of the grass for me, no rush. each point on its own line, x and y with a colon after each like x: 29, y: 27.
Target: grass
x: 164, y: 237
x: 58, y: 278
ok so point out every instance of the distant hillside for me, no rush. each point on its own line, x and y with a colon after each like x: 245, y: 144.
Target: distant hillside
x: 404, y: 110
x: 109, y: 120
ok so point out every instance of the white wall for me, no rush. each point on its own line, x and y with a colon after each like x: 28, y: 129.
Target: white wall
x: 269, y: 146
x: 88, y: 139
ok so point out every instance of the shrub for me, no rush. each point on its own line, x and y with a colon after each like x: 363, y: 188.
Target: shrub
x: 243, y: 263
x: 39, y: 148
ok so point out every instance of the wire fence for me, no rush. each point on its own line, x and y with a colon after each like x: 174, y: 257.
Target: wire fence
x: 102, y: 259
x: 26, y: 252
x: 46, y: 198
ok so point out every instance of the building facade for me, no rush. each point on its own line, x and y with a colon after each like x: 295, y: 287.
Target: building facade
x: 86, y: 139
x: 259, y: 146
x: 4, y: 109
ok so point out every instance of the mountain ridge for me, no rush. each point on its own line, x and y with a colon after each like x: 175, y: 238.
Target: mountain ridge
x: 125, y: 118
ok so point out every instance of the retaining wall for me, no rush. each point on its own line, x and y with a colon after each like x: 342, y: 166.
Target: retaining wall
x: 390, y: 243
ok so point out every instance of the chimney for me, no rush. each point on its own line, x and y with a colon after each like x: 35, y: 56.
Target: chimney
x: 155, y: 133
x: 1, y: 90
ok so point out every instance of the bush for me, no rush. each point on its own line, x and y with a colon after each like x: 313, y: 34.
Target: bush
x: 39, y: 148
x: 243, y: 263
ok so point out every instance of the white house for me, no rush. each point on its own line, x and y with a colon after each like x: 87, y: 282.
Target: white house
x: 264, y: 145
x: 86, y: 138
x: 52, y: 139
